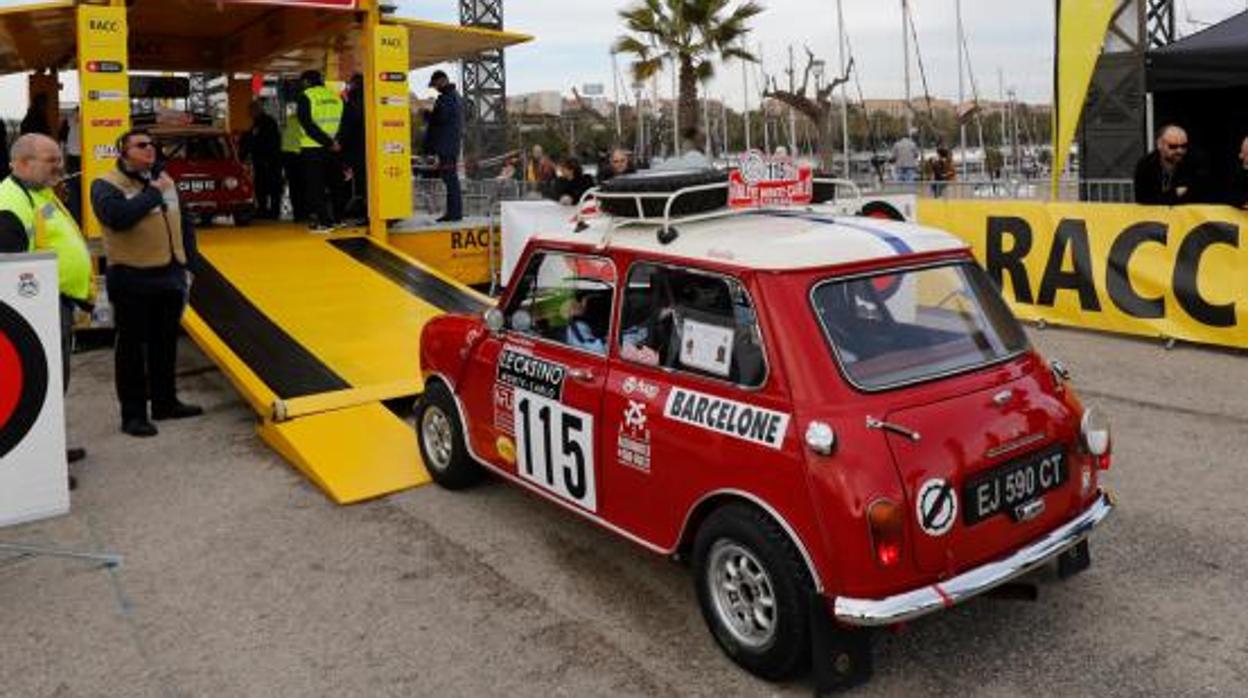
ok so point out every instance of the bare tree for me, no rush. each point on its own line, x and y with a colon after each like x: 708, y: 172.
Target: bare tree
x: 815, y: 105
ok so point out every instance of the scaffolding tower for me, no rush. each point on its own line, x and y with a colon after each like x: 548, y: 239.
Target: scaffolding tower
x: 1116, y: 128
x: 484, y: 83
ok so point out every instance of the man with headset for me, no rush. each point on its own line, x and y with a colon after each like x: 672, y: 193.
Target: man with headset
x: 149, y: 241
x: 32, y: 219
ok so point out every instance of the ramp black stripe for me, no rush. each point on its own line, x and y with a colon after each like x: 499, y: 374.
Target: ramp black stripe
x: 413, y: 279
x: 283, y: 364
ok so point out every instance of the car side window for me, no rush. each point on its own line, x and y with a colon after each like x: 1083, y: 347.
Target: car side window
x: 565, y: 298
x: 691, y: 321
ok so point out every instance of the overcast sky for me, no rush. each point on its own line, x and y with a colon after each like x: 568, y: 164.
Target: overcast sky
x: 572, y: 39
x: 1013, y: 36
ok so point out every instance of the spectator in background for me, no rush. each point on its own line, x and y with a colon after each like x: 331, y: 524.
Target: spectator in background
x: 320, y: 116
x: 292, y: 166
x: 905, y: 159
x: 36, y: 119
x: 533, y: 168
x: 1239, y: 181
x: 943, y: 171
x: 510, y: 170
x: 571, y: 182
x: 443, y: 139
x: 352, y: 138
x: 1170, y: 175
x: 618, y: 163
x: 691, y: 155
x: 262, y: 144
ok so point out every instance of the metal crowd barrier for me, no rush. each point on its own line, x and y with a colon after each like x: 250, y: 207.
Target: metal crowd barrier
x: 1091, y: 191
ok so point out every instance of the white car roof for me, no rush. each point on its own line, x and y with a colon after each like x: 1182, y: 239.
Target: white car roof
x: 773, y: 239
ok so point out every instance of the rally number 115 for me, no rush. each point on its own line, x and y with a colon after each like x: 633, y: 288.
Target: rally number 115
x: 555, y: 448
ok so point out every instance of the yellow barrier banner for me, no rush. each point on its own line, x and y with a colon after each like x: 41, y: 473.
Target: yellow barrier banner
x: 105, y: 94
x: 1145, y: 270
x: 390, y: 190
x: 462, y: 254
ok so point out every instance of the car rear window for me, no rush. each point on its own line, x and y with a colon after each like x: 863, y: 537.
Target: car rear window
x: 905, y: 326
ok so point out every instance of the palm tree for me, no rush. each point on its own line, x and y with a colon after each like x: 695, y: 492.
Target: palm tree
x: 692, y: 33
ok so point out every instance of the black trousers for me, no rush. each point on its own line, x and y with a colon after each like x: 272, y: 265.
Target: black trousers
x: 268, y: 189
x: 322, y: 173
x: 292, y: 167
x: 67, y: 338
x: 147, y: 343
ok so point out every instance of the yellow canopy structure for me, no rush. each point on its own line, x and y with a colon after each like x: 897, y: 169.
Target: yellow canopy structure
x: 210, y: 36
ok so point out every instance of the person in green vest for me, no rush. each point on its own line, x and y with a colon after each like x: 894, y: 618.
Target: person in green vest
x: 32, y: 219
x: 292, y: 168
x: 320, y: 115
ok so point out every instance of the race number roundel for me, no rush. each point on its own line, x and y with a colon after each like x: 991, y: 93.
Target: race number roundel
x: 23, y: 378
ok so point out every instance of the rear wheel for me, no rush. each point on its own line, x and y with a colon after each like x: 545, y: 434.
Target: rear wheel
x: 754, y: 591
x: 243, y: 218
x: 441, y: 437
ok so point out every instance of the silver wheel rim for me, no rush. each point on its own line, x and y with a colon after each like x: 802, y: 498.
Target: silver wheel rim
x: 435, y: 430
x: 742, y: 593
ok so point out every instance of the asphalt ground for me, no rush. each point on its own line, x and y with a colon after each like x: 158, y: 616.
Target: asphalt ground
x: 242, y: 579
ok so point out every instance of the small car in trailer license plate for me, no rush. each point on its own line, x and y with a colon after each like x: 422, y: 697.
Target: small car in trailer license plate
x: 835, y: 419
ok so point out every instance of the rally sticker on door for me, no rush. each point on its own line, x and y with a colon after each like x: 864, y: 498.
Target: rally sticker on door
x: 555, y: 448
x: 527, y: 372
x: 937, y: 507
x: 737, y: 419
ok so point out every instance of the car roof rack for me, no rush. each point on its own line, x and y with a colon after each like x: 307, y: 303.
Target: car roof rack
x: 667, y: 232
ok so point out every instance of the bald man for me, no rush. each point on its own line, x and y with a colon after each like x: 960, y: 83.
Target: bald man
x: 33, y: 219
x: 1171, y: 175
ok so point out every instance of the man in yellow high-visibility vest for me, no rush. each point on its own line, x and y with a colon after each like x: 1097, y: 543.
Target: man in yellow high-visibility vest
x: 320, y: 114
x: 32, y: 219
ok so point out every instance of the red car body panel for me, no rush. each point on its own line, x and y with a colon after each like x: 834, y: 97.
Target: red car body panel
x: 820, y: 500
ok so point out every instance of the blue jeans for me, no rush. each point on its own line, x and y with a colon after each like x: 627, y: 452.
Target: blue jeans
x: 449, y: 172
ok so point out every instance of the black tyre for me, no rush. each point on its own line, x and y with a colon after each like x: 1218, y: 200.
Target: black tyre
x: 754, y: 591
x: 204, y: 220
x: 660, y: 182
x: 243, y: 218
x: 441, y: 437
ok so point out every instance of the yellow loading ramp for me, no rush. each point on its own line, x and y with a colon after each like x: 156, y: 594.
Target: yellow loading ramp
x: 316, y: 332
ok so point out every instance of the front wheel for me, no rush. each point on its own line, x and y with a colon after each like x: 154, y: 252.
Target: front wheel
x: 754, y: 591
x: 441, y: 437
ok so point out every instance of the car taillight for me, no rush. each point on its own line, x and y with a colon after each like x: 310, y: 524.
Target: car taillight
x: 887, y: 523
x: 1095, y: 433
x: 230, y: 183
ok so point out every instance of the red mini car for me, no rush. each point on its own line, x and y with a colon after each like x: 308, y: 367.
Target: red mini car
x: 836, y: 419
x: 211, y: 180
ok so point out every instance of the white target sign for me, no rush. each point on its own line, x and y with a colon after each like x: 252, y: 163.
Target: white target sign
x: 33, y: 478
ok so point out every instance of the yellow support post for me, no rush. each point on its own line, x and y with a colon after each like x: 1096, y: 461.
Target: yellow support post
x: 388, y: 123
x: 104, y: 85
x: 238, y: 105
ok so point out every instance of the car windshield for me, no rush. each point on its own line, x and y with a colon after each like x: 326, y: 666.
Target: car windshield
x: 901, y: 327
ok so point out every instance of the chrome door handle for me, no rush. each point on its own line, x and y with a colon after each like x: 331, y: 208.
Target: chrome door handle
x: 584, y: 375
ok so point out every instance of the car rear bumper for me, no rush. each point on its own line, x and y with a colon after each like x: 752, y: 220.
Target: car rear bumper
x: 919, y: 602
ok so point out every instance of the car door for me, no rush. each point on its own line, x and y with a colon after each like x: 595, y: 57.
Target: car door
x: 537, y: 385
x: 687, y: 409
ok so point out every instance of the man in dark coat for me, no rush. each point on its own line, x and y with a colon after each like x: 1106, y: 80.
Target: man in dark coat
x: 1170, y: 176
x: 442, y: 138
x: 352, y: 138
x: 262, y: 144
